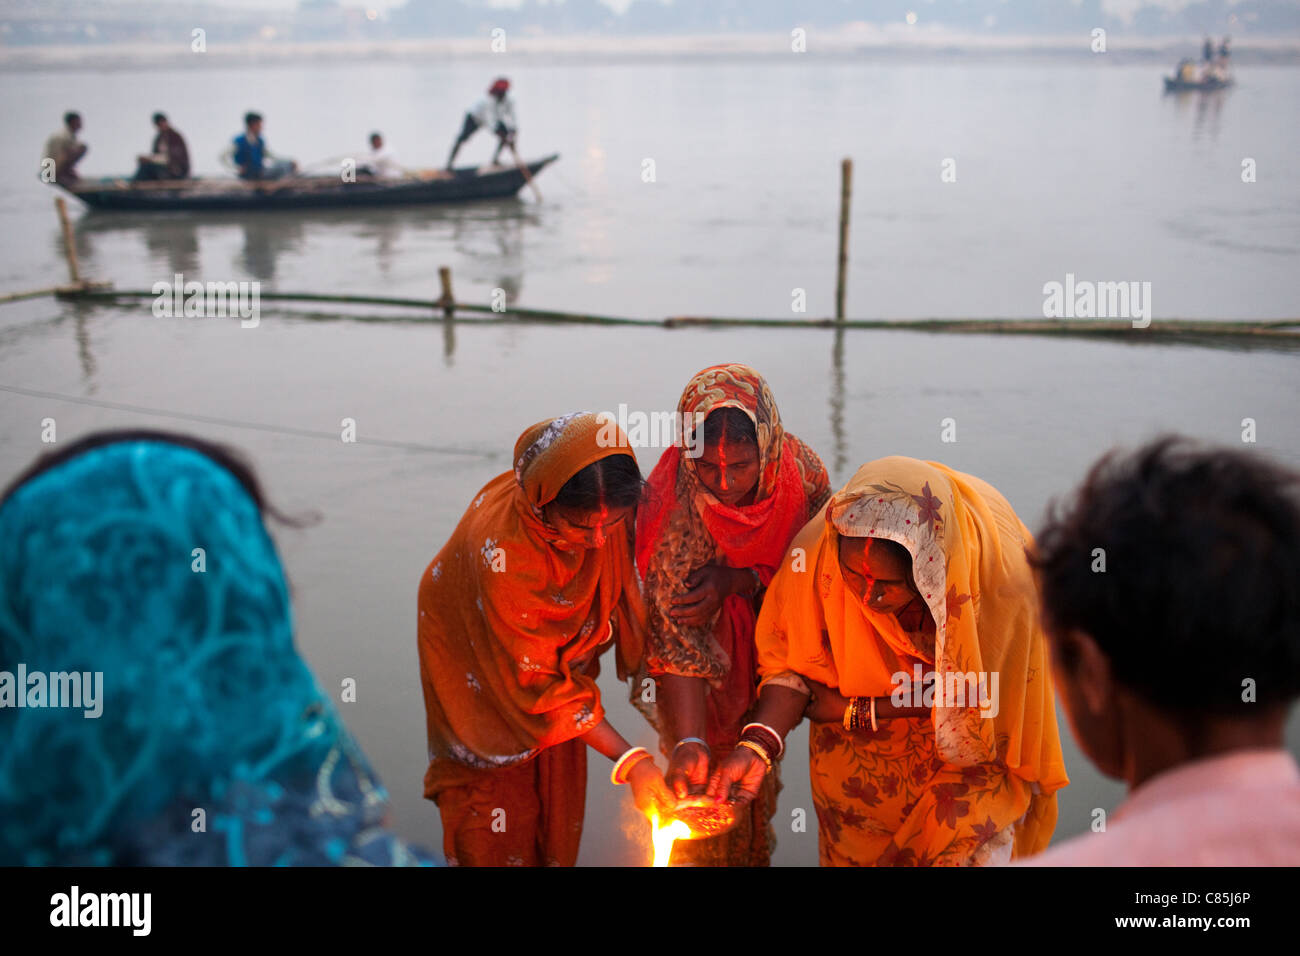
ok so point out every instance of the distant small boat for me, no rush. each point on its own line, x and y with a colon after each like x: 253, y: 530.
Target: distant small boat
x: 304, y: 192
x: 1174, y: 85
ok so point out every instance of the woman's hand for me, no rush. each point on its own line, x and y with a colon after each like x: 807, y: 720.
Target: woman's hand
x: 709, y: 586
x: 827, y: 703
x: 688, y: 770
x: 649, y: 790
x: 738, y: 777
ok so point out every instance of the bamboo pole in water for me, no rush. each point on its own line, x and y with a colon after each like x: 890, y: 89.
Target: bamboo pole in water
x: 448, y: 301
x: 1281, y: 329
x: 31, y: 294
x: 69, y: 247
x: 74, y: 269
x: 846, y: 193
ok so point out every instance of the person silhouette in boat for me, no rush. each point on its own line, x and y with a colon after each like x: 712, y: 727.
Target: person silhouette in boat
x: 168, y: 156
x: 495, y: 111
x: 65, y: 150
x: 249, y: 155
x: 381, y: 163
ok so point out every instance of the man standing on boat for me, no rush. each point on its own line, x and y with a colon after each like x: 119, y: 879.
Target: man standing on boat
x: 495, y: 111
x: 168, y: 157
x: 251, y: 157
x: 65, y: 149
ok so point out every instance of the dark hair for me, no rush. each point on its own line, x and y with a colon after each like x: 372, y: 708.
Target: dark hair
x: 614, y: 481
x: 1201, y: 581
x: 376, y: 135
x: 228, y: 458
x: 159, y: 118
x: 732, y: 424
x: 69, y: 117
x: 251, y: 118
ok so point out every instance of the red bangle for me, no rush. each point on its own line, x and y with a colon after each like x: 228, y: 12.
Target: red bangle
x: 764, y: 735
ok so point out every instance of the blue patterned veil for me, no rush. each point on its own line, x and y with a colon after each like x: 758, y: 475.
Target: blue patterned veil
x: 146, y: 563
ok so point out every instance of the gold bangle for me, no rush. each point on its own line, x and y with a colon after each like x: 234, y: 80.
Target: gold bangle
x: 848, y: 716
x: 750, y: 745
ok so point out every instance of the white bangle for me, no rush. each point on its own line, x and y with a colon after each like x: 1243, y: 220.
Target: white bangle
x: 694, y: 740
x: 873, y: 714
x: 629, y: 755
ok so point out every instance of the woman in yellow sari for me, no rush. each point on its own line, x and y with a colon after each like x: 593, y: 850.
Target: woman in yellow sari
x: 904, y: 624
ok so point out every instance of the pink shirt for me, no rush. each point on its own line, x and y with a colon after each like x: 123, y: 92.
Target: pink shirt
x: 1239, y: 809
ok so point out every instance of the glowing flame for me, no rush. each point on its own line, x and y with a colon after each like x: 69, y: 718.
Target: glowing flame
x: 664, y: 836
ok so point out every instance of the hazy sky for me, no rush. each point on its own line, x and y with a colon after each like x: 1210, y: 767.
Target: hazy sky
x: 1118, y: 7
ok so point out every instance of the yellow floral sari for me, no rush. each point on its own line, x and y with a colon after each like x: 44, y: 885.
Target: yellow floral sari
x: 975, y: 782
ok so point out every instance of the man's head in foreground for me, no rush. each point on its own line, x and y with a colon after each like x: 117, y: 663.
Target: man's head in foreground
x: 1170, y: 586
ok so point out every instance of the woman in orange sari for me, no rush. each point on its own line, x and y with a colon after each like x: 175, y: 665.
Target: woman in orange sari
x: 720, y: 511
x: 905, y: 624
x: 535, y: 582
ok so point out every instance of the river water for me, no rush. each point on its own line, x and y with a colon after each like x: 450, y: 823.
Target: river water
x: 1072, y: 168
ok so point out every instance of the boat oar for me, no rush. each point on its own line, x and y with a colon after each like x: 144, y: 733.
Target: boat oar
x: 528, y: 177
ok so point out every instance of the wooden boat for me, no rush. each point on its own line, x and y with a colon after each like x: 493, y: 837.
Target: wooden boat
x: 305, y: 192
x: 1175, y: 85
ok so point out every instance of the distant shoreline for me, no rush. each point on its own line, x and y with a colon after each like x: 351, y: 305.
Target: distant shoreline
x: 865, y: 44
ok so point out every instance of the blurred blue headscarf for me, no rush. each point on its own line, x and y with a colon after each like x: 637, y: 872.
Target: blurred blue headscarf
x: 205, y: 703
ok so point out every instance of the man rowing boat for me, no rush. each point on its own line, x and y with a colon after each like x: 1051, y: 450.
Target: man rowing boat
x: 495, y: 111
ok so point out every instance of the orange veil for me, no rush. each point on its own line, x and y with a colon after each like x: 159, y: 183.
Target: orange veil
x: 510, y: 619
x: 968, y: 562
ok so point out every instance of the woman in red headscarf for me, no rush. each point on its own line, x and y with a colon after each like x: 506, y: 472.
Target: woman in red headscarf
x: 536, y: 581
x: 720, y: 511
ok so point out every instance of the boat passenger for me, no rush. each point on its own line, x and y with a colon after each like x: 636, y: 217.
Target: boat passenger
x: 168, y: 157
x: 1178, y: 665
x: 251, y: 157
x: 65, y: 150
x: 514, y: 611
x: 381, y: 163
x: 139, y: 583
x: 496, y: 111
